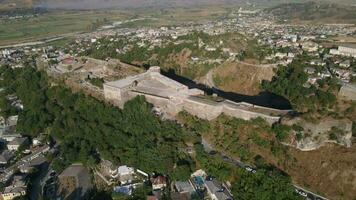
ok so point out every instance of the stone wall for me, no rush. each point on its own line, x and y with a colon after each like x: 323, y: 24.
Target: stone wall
x: 112, y: 94
x: 211, y: 111
x: 247, y: 115
x: 202, y: 110
x: 179, y: 98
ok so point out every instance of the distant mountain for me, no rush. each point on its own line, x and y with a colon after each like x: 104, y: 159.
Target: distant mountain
x: 316, y: 12
x: 15, y: 4
x: 100, y: 4
x: 92, y: 4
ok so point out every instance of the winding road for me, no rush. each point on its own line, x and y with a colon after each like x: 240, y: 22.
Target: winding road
x: 301, y: 191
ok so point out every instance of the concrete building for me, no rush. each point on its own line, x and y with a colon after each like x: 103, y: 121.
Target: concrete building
x: 17, y: 189
x: 172, y: 97
x: 184, y: 187
x: 74, y: 183
x: 15, y: 144
x: 5, y: 157
x: 126, y: 174
x: 347, y: 50
x: 158, y: 183
x: 345, y: 64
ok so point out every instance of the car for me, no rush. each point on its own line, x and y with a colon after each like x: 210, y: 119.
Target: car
x: 53, y: 173
x: 226, y: 158
x: 301, y: 193
x: 250, y: 169
x: 209, y: 178
x: 213, y: 152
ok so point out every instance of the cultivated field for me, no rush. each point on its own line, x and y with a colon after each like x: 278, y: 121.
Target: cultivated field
x: 52, y: 24
x: 62, y: 22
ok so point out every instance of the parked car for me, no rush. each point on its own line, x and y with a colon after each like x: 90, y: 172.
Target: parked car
x: 250, y: 169
x: 301, y: 193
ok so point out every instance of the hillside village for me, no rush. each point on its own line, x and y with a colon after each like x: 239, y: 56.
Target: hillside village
x: 114, y: 59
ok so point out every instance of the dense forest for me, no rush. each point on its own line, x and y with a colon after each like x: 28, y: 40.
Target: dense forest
x: 291, y: 83
x: 87, y: 130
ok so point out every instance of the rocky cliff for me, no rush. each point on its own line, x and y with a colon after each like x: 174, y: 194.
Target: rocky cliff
x: 315, y: 135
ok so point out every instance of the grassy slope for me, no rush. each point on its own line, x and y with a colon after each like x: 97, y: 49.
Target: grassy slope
x: 242, y: 79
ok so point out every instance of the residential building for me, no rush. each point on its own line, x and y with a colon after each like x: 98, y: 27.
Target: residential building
x: 126, y: 174
x: 347, y: 50
x: 184, y: 187
x: 15, y: 144
x: 74, y: 183
x: 5, y: 157
x: 158, y: 183
x: 345, y: 64
x: 180, y: 196
x: 16, y: 189
x: 9, y: 136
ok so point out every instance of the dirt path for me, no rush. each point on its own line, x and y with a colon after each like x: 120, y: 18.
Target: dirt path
x: 209, y: 80
x: 238, y: 76
x: 254, y: 65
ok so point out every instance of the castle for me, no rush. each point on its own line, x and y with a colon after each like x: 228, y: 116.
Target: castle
x: 172, y: 97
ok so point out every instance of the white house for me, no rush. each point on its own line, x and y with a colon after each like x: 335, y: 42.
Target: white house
x: 126, y: 174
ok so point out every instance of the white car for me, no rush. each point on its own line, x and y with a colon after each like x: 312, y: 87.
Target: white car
x: 301, y: 193
x: 250, y: 169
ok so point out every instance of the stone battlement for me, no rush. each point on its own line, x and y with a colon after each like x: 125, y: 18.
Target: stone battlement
x: 173, y: 97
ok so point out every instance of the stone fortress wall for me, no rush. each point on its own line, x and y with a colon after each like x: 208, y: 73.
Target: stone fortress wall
x: 173, y: 97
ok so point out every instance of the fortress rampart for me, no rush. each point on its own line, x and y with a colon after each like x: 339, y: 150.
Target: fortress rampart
x: 173, y: 97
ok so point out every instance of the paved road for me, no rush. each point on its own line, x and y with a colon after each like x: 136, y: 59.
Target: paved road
x: 302, y: 191
x: 8, y: 172
x: 41, y: 40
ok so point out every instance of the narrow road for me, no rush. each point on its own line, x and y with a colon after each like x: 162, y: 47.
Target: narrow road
x: 255, y: 65
x: 25, y: 160
x: 40, y: 40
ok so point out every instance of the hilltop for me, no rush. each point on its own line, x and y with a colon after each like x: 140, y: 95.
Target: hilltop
x: 315, y: 12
